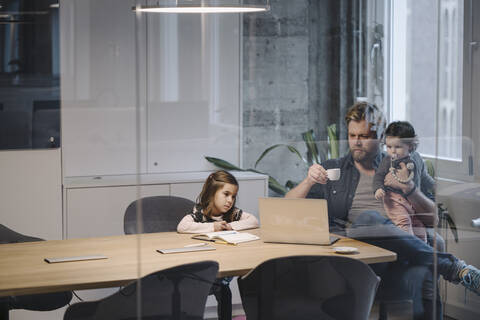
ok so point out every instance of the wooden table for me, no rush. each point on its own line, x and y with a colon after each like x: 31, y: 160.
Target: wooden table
x: 23, y: 270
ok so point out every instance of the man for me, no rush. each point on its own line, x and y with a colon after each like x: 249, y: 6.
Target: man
x: 353, y: 210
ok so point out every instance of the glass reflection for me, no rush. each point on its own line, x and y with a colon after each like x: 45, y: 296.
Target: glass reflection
x: 29, y: 75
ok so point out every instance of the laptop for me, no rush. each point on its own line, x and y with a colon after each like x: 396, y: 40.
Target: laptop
x: 300, y: 221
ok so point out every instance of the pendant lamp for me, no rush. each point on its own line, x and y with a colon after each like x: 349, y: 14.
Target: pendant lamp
x: 205, y: 6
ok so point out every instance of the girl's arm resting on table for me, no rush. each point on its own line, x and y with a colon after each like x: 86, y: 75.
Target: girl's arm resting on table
x: 247, y: 221
x: 188, y: 225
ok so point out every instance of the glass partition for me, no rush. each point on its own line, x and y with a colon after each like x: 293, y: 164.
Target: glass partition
x: 29, y: 75
x: 153, y: 103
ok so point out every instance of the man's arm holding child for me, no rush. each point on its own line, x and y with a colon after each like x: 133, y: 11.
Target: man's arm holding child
x: 379, y: 177
x: 424, y: 207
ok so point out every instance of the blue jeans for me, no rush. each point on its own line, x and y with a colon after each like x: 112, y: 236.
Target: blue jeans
x: 373, y: 228
x: 413, y: 270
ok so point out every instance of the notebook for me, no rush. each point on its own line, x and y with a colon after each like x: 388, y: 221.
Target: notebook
x: 301, y: 221
x: 230, y: 236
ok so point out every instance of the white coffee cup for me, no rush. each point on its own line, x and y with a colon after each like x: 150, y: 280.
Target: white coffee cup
x: 333, y: 174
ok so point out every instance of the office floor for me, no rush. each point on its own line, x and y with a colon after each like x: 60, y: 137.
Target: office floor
x: 398, y: 312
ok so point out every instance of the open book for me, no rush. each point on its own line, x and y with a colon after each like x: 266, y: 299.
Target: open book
x: 229, y: 236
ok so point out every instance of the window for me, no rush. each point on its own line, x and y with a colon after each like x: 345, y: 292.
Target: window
x: 428, y: 71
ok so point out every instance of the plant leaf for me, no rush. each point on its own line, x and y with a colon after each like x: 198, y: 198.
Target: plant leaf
x: 312, y: 150
x: 333, y: 141
x: 276, y: 186
x: 290, y: 184
x: 289, y: 147
x: 430, y: 168
x: 223, y: 164
x: 452, y: 225
x: 444, y: 215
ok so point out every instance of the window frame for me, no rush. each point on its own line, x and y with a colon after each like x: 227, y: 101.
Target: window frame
x: 448, y: 169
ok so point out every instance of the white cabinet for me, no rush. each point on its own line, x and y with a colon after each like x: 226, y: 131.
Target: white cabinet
x: 189, y: 190
x: 95, y: 206
x: 99, y: 211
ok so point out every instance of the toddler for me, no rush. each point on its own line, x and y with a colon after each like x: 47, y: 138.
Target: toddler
x: 401, y: 142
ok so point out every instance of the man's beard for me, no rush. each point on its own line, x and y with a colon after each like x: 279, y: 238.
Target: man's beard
x: 360, y: 155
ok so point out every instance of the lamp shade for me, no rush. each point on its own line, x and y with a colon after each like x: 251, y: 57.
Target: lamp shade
x: 205, y: 6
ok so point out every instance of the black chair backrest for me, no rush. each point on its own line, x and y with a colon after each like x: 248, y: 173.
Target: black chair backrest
x: 158, y: 214
x: 309, y: 287
x: 176, y: 293
x: 7, y: 235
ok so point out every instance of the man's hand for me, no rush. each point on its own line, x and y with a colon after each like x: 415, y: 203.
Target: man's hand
x: 379, y: 194
x: 402, y: 173
x: 317, y: 174
x: 221, y: 225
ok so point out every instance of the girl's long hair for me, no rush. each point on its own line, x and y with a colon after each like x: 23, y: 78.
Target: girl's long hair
x: 214, y: 182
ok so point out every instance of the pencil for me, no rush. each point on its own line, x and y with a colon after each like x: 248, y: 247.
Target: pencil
x: 224, y: 242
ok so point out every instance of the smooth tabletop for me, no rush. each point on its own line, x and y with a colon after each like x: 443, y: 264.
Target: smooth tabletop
x: 24, y: 271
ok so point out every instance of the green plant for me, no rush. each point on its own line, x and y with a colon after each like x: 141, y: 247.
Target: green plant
x: 314, y: 154
x: 444, y: 218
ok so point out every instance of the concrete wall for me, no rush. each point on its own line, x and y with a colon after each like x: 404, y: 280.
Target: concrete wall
x: 299, y: 68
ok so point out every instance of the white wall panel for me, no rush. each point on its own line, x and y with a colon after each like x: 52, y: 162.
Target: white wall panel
x: 31, y: 189
x: 189, y: 89
x: 194, y: 110
x: 99, y: 212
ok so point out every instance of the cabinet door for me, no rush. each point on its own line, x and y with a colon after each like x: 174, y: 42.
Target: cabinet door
x: 248, y: 194
x: 97, y: 212
x: 189, y: 190
x: 31, y: 189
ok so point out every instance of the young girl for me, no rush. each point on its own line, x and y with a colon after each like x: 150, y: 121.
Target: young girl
x: 401, y: 142
x: 215, y: 211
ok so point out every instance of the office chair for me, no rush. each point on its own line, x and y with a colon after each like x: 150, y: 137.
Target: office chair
x: 162, y: 214
x: 33, y: 302
x: 158, y: 214
x: 309, y: 287
x: 178, y: 293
